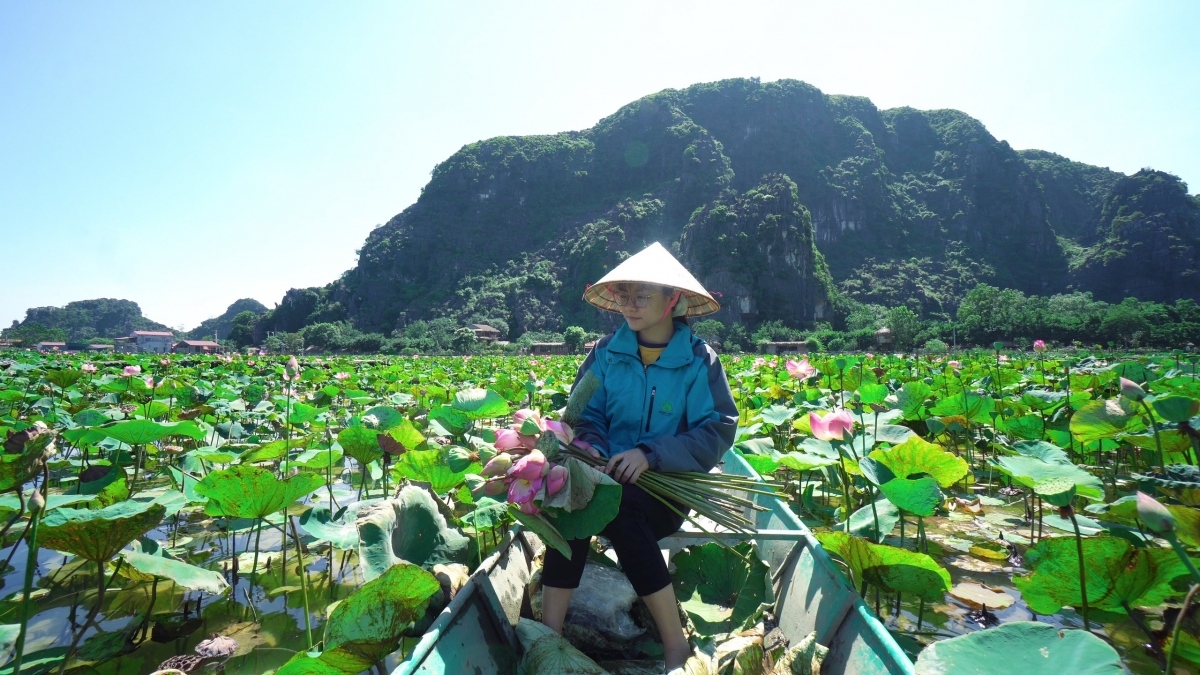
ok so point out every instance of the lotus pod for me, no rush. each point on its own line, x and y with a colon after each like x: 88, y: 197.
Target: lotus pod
x: 548, y: 444
x: 581, y: 393
x: 217, y: 646
x: 458, y: 459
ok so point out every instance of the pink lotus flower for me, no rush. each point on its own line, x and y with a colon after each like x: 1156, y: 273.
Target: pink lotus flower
x: 556, y: 479
x: 802, y: 370
x: 164, y: 362
x: 149, y: 382
x: 530, y: 467
x: 561, y: 430
x: 131, y: 371
x: 507, y: 439
x: 1039, y: 346
x: 495, y: 487
x: 521, y: 491
x: 1003, y: 357
x: 953, y: 364
x: 497, y: 465
x: 250, y: 362
x: 523, y: 414
x: 759, y: 362
x: 88, y: 368
x: 1131, y: 389
x: 341, y: 376
x: 870, y: 355
x: 833, y: 427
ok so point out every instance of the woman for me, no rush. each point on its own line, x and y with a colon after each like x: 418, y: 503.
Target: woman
x: 664, y: 404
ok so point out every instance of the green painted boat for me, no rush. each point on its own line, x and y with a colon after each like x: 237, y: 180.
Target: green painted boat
x: 474, y: 633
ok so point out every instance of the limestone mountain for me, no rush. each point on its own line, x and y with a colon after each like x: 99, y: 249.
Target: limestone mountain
x: 784, y: 199
x: 84, y: 320
x: 223, y: 324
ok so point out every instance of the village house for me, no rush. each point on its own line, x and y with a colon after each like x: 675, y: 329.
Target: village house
x: 10, y: 344
x: 784, y: 347
x: 484, y: 332
x: 153, y: 341
x: 549, y: 349
x: 99, y: 348
x: 51, y: 346
x: 197, y: 347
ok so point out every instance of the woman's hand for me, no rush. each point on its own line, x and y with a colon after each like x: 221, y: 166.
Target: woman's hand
x: 627, y: 466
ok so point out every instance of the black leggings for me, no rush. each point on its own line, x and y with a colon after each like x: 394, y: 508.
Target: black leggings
x: 641, y: 521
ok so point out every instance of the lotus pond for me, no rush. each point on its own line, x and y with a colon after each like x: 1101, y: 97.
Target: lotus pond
x: 238, y: 514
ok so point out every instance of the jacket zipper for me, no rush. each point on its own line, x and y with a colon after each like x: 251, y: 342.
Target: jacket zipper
x: 650, y: 412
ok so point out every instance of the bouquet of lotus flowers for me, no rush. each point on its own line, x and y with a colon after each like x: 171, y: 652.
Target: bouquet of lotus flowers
x: 557, y: 488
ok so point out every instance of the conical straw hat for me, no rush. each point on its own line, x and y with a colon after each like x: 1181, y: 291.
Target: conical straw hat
x: 654, y: 265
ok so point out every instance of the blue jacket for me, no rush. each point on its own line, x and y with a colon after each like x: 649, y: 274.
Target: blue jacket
x: 678, y: 409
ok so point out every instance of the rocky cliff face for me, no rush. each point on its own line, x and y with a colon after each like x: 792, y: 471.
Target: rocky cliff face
x: 1148, y: 242
x: 778, y: 194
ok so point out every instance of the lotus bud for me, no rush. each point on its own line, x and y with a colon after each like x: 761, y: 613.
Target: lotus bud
x: 498, y: 465
x: 37, y: 503
x: 1154, y: 515
x: 530, y: 467
x: 1039, y: 346
x: 495, y: 487
x: 1132, y: 390
x: 556, y: 479
x: 131, y: 371
x: 458, y: 459
x: 88, y: 368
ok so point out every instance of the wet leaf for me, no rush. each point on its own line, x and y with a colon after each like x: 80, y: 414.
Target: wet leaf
x: 917, y: 455
x: 245, y: 491
x: 370, y: 622
x: 1026, y: 647
x: 98, y: 534
x: 978, y: 595
x: 408, y: 528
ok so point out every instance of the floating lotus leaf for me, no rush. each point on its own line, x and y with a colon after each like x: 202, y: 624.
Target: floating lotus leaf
x: 408, y: 528
x: 245, y: 491
x: 978, y: 595
x: 370, y: 622
x: 1118, y: 574
x: 184, y: 575
x: 141, y: 432
x: 916, y: 455
x: 1097, y: 420
x: 98, y: 534
x: 342, y: 532
x: 1021, y: 647
x: 718, y: 590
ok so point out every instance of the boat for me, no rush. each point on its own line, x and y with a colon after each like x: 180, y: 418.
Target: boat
x: 475, y: 634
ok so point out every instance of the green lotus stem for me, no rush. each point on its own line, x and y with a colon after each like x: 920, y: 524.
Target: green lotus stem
x: 875, y: 515
x: 1187, y: 602
x: 1162, y: 458
x: 1182, y: 553
x: 846, y: 491
x: 257, y: 537
x: 1082, y: 571
x: 303, y: 579
x: 30, y: 567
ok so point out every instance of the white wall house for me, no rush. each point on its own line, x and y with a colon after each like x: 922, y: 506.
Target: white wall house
x: 153, y: 341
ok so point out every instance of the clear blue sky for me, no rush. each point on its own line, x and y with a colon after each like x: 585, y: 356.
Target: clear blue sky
x: 184, y: 155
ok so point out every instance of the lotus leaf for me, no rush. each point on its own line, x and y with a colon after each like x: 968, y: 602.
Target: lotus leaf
x: 98, y: 534
x: 406, y: 435
x: 184, y: 575
x: 893, y: 434
x: 407, y: 528
x: 590, y: 520
x: 360, y: 443
x: 539, y: 525
x: 1118, y: 574
x: 892, y: 568
x: 875, y: 471
x: 1023, y: 647
x: 386, y: 417
x: 720, y: 591
x: 17, y: 469
x: 370, y: 622
x: 302, y: 414
x: 916, y: 455
x: 487, y: 514
x: 342, y: 531
x: 1029, y: 472
x: 480, y: 404
x: 1176, y: 408
x: 1047, y: 452
x: 920, y: 496
x: 141, y: 432
x: 777, y: 414
x: 862, y: 521
x: 430, y: 466
x: 113, y: 487
x: 1056, y: 491
x: 1105, y: 419
x: 548, y: 653
x: 271, y: 451
x: 581, y: 484
x: 245, y: 491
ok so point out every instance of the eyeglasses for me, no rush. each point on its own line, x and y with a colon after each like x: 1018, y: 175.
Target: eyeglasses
x: 638, y: 301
